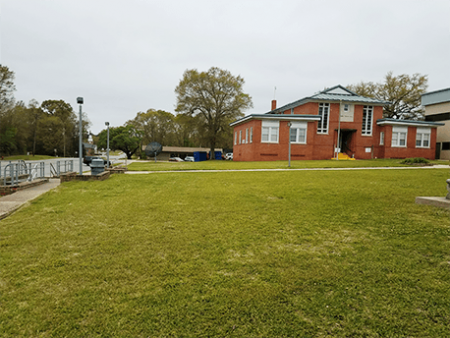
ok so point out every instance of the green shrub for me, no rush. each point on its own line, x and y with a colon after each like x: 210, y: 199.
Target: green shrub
x: 415, y: 160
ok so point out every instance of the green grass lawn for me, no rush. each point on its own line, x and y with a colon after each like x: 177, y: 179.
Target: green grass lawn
x: 237, y: 254
x: 29, y: 157
x: 229, y: 165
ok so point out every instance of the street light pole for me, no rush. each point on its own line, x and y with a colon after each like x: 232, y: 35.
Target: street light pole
x: 289, y: 126
x: 339, y: 132
x: 80, y: 145
x: 107, y: 144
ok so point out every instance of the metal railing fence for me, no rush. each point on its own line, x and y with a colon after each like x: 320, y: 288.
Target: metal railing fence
x: 20, y: 171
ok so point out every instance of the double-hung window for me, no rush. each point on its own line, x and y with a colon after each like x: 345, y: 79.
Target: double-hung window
x: 324, y: 112
x: 251, y: 134
x: 240, y: 136
x: 423, y: 137
x: 235, y: 137
x: 246, y: 135
x: 367, y: 120
x: 298, y: 132
x: 399, y: 136
x: 269, y: 131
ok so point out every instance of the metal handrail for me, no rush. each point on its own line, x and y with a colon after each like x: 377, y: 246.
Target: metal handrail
x: 12, y: 171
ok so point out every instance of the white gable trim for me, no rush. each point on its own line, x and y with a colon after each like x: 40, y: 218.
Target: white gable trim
x: 338, y: 90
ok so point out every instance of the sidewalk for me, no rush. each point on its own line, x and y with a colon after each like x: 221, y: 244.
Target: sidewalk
x: 10, y: 203
x: 437, y: 166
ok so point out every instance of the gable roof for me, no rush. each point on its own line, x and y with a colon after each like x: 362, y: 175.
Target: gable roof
x: 335, y: 94
x: 412, y: 123
x: 283, y: 117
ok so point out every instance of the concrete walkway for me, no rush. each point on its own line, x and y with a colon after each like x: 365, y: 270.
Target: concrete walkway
x: 437, y: 166
x: 10, y: 203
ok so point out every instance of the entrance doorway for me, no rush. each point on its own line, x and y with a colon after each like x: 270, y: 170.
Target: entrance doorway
x: 345, y: 141
x: 438, y: 151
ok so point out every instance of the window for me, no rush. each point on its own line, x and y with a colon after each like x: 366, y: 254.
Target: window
x: 367, y: 120
x: 298, y: 132
x: 235, y: 137
x: 246, y: 135
x: 251, y: 134
x: 382, y: 138
x: 399, y: 135
x: 346, y: 107
x: 240, y: 136
x: 423, y: 137
x: 269, y: 131
x: 445, y: 145
x: 322, y: 125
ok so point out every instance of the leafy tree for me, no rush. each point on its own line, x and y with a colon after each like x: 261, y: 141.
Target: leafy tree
x: 186, y: 131
x: 154, y: 126
x: 57, y: 127
x: 125, y: 138
x: 215, y: 96
x: 7, y: 144
x: 402, y: 91
x: 7, y: 89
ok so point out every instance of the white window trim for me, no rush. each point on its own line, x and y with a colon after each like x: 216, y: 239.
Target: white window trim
x: 298, y: 126
x: 422, y: 132
x: 382, y: 138
x: 272, y: 125
x: 251, y: 134
x: 235, y: 137
x: 246, y: 135
x: 399, y: 131
x: 328, y: 119
x: 364, y: 131
x: 240, y: 136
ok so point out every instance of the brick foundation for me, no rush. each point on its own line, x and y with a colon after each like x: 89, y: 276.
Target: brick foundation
x: 117, y: 170
x: 67, y: 177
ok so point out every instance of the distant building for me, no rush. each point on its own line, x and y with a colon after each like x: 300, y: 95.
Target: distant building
x: 334, y: 122
x: 182, y: 152
x: 437, y: 109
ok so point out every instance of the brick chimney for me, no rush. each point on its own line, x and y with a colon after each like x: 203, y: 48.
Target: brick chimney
x: 274, y: 104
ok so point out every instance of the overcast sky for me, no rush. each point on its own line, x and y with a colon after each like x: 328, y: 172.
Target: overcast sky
x: 127, y: 56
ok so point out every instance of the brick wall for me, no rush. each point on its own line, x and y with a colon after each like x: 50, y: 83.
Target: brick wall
x: 75, y: 177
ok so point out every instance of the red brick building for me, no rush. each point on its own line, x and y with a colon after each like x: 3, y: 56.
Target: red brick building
x: 318, y: 131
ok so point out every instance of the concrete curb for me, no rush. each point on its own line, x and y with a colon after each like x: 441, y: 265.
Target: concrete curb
x: 439, y: 166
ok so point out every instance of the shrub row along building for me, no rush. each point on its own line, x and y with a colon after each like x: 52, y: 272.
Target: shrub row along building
x: 333, y: 123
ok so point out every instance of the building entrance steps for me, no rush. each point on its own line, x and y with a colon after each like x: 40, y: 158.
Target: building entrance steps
x: 342, y: 156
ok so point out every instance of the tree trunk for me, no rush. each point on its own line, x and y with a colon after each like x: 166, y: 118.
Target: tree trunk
x: 212, y: 148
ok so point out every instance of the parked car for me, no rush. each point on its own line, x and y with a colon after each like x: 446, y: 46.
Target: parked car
x: 229, y: 156
x: 175, y: 159
x: 88, y: 159
x: 189, y: 159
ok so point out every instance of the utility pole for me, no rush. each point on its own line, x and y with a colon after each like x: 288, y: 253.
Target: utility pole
x: 339, y: 132
x: 107, y: 145
x: 80, y: 145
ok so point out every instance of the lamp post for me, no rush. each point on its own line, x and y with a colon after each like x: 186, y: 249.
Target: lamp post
x: 289, y: 126
x: 80, y: 145
x: 339, y: 132
x: 107, y: 144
